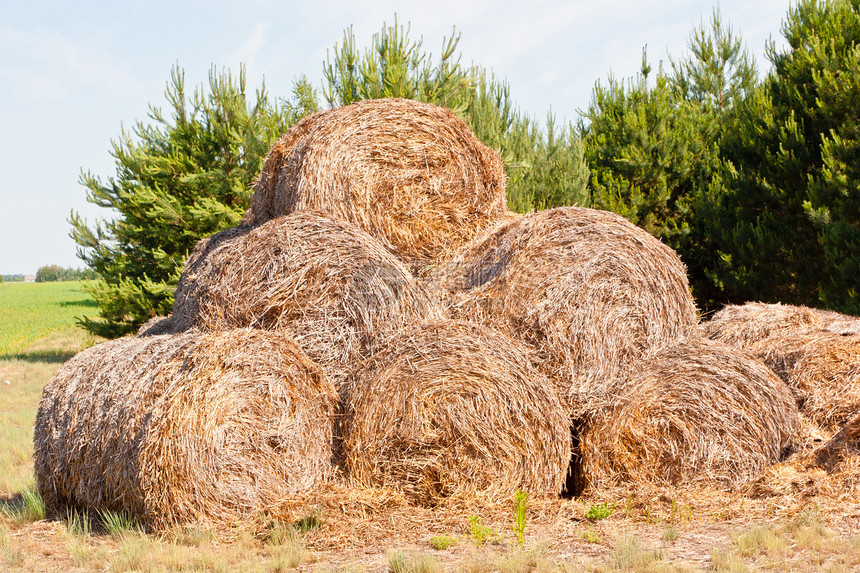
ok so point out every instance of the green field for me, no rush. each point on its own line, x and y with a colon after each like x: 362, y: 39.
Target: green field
x: 30, y: 311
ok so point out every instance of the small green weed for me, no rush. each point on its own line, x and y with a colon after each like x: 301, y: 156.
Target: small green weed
x: 31, y: 508
x: 118, y: 524
x: 78, y: 524
x: 599, y: 511
x: 481, y: 534
x: 442, y: 542
x: 309, y: 523
x: 521, y: 506
x: 590, y: 536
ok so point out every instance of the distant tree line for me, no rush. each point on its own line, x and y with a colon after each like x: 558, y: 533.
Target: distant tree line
x: 12, y: 278
x: 55, y: 273
x: 754, y: 181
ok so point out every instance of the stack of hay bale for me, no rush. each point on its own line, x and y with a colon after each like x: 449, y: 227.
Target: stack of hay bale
x: 380, y: 317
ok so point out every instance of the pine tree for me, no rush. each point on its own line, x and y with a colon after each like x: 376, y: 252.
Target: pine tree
x: 179, y: 177
x: 791, y: 203
x: 654, y: 149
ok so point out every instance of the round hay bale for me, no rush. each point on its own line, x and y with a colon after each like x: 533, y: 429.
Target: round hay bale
x: 411, y: 174
x: 184, y: 428
x: 330, y: 284
x: 450, y: 409
x: 589, y: 290
x: 697, y: 412
x: 821, y: 367
x: 745, y: 325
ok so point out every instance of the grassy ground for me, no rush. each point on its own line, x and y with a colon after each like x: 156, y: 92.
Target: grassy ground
x: 30, y: 311
x: 567, y: 535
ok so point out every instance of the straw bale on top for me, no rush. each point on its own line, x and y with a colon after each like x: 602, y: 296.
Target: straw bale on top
x: 411, y: 174
x: 184, y: 428
x: 698, y: 412
x: 451, y: 409
x: 822, y: 369
x: 589, y: 290
x: 329, y: 283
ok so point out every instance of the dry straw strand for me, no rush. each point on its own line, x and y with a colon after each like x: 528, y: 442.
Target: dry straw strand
x: 411, y: 174
x: 329, y: 283
x: 830, y: 469
x: 184, y: 428
x: 698, y: 412
x: 450, y: 409
x: 586, y: 288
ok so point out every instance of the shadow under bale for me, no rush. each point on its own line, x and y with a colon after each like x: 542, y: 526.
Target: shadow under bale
x: 184, y: 428
x: 697, y: 412
x: 591, y: 292
x: 411, y: 174
x: 452, y: 409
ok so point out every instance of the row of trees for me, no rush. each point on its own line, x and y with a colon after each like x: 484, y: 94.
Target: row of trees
x: 752, y: 180
x: 55, y: 273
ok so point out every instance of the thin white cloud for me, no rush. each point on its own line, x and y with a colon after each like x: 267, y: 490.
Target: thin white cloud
x: 248, y: 52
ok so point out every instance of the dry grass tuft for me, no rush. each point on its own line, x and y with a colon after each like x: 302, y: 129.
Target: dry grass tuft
x: 330, y: 284
x: 591, y: 292
x: 699, y: 412
x: 450, y: 409
x: 409, y: 173
x: 184, y: 428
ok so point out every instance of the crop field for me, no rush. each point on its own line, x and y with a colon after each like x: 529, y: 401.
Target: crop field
x: 30, y: 311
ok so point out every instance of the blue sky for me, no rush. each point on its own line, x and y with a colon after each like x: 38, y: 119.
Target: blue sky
x: 74, y: 73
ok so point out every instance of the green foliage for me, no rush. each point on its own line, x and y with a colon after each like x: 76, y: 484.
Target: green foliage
x: 118, y: 524
x: 647, y: 152
x: 13, y: 278
x: 441, y: 542
x: 180, y: 176
x: 790, y: 205
x: 481, y: 534
x: 599, y: 511
x: 78, y: 523
x: 521, y: 506
x: 309, y: 523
